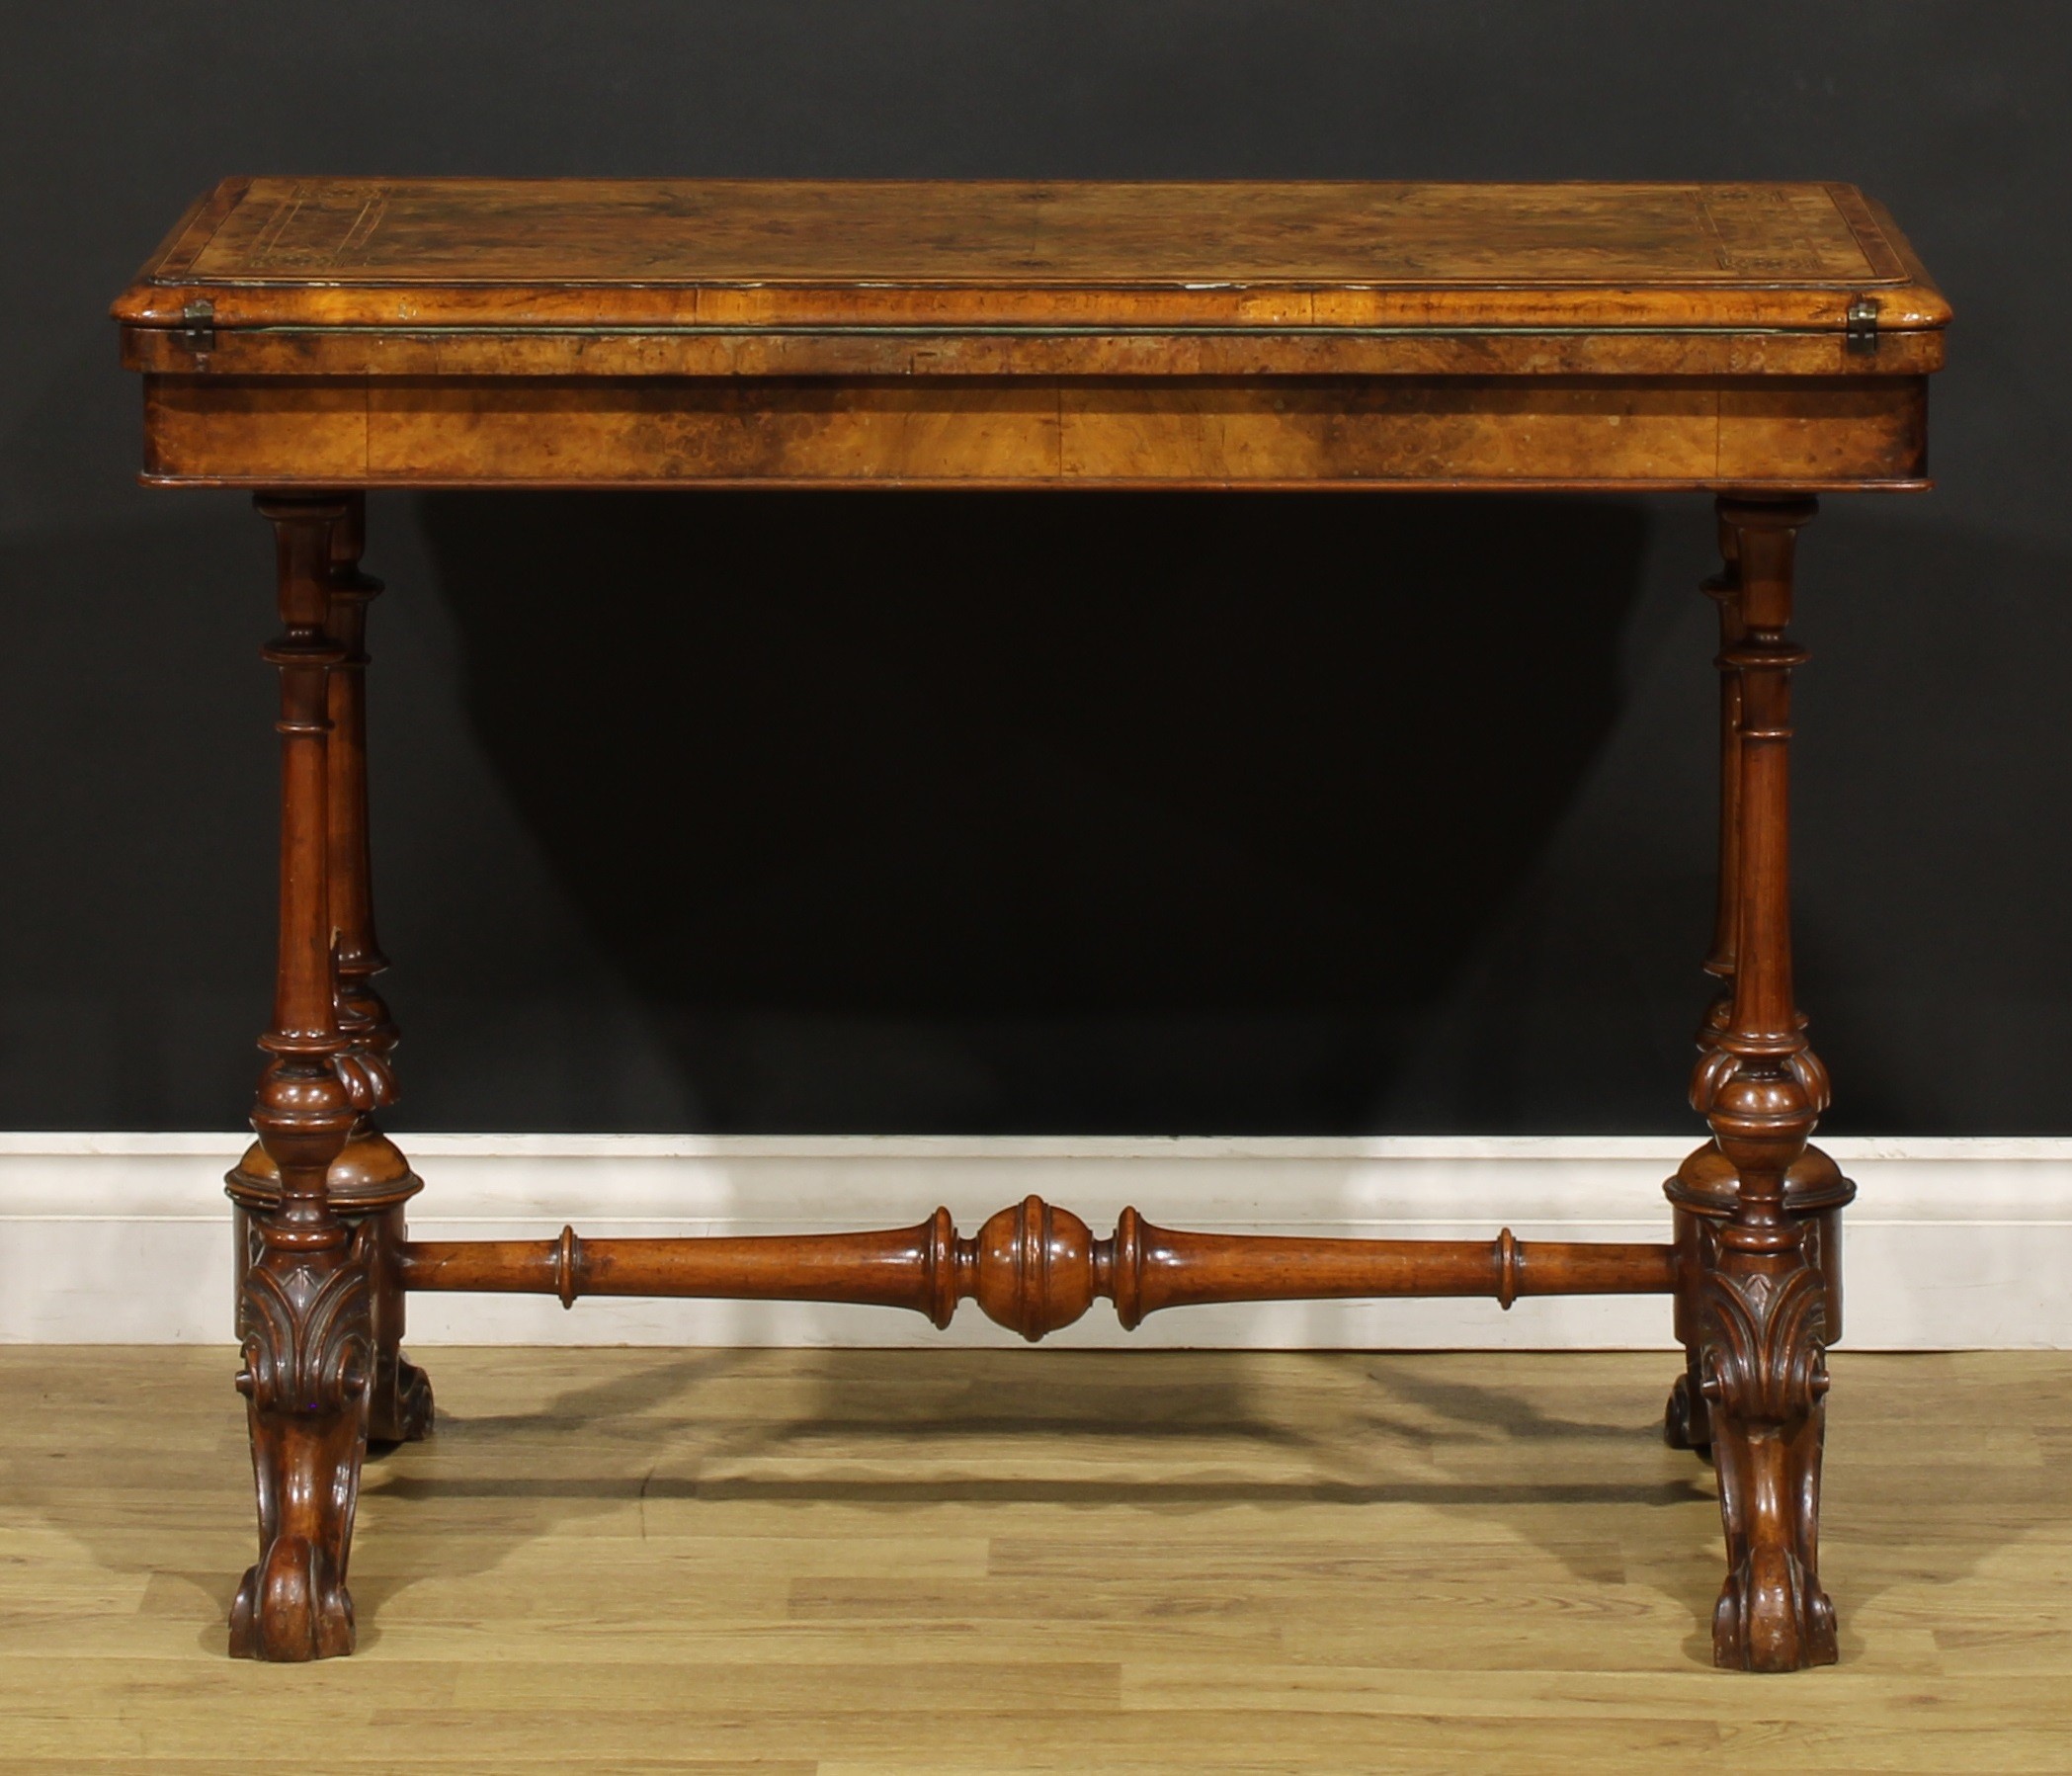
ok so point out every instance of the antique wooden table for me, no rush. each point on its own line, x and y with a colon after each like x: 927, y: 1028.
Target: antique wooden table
x: 314, y: 338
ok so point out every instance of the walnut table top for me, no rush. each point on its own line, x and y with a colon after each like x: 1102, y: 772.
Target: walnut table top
x: 418, y: 331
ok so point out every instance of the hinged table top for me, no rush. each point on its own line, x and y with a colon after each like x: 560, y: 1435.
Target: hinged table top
x: 566, y: 332
x: 415, y: 254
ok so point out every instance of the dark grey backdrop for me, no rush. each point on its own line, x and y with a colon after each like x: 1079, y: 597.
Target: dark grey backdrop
x: 1066, y: 813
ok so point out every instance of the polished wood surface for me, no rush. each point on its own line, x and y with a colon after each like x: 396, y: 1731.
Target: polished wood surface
x: 1004, y: 350
x: 1756, y: 1306
x: 312, y: 338
x: 583, y: 332
x: 305, y: 1304
x: 431, y: 252
x: 981, y: 233
x: 964, y: 1563
x: 1799, y: 433
x: 1035, y: 1268
x: 369, y: 1181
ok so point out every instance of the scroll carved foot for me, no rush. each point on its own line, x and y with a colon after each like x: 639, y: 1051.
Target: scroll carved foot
x: 307, y: 1363
x: 1765, y: 1383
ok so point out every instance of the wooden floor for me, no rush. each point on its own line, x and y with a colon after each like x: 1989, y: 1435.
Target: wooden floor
x: 977, y: 1561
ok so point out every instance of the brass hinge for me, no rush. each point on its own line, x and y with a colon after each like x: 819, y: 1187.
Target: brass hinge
x: 1861, y: 334
x: 196, y: 329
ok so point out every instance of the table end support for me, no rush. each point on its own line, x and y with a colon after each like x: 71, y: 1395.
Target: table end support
x: 1754, y: 1306
x: 371, y: 1180
x: 305, y: 1304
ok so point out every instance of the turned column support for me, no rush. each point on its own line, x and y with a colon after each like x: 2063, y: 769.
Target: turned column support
x: 1703, y: 1190
x: 1755, y: 1311
x: 369, y: 1181
x: 304, y: 1309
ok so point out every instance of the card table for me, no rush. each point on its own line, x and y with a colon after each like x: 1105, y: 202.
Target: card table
x: 314, y: 338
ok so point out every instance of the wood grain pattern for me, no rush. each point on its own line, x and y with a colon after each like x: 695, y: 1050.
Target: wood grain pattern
x: 997, y: 1562
x: 982, y: 231
x: 1667, y: 432
x: 765, y: 253
x: 329, y: 333
x: 915, y: 352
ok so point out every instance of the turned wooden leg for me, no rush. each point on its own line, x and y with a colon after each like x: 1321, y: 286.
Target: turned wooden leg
x: 1705, y: 1188
x: 1757, y: 1308
x: 305, y: 1304
x: 369, y: 1181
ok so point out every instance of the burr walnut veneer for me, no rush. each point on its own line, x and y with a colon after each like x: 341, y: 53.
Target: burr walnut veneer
x: 310, y: 339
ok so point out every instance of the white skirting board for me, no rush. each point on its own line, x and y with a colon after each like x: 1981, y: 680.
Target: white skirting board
x: 1953, y: 1245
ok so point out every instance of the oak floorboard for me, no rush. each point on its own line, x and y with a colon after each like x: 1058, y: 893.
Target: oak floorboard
x: 939, y: 1564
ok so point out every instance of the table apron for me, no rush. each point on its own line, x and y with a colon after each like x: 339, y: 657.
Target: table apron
x: 1749, y: 432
